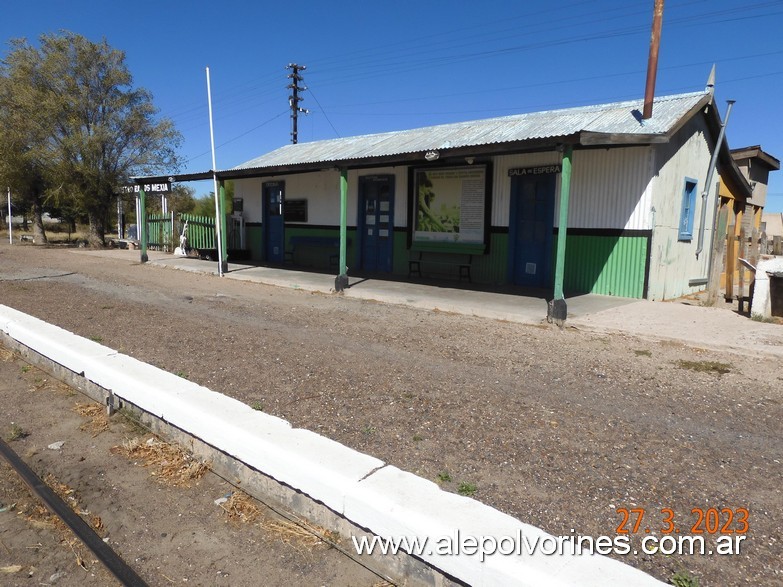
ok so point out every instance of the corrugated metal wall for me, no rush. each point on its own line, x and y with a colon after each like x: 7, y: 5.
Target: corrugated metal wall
x: 492, y: 268
x: 611, y: 189
x: 607, y: 265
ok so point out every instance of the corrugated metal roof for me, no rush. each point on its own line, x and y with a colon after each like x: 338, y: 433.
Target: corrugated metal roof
x: 617, y: 118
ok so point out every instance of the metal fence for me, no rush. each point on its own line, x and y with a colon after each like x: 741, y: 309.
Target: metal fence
x: 201, y: 231
x: 159, y: 232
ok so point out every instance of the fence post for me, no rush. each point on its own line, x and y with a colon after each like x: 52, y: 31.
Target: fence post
x: 142, y: 224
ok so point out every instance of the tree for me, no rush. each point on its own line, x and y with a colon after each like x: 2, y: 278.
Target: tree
x: 23, y: 140
x: 99, y: 131
x: 205, y: 205
x: 181, y: 199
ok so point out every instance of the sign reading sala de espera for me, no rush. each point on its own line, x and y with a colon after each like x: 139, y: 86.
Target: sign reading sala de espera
x: 540, y: 170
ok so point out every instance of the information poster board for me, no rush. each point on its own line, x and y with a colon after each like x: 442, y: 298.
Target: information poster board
x: 450, y: 205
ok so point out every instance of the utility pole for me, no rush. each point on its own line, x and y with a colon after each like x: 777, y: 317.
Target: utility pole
x: 294, y: 99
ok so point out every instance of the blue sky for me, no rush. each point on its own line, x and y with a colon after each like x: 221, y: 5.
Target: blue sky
x: 379, y: 66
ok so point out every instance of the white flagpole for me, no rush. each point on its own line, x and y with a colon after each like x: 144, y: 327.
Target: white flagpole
x: 218, y: 235
x: 10, y: 220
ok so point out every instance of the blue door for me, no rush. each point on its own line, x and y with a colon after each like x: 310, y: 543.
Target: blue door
x: 530, y: 233
x: 376, y: 222
x: 274, y: 227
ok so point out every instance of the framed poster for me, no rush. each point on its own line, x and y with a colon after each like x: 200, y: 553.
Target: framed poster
x: 450, y: 206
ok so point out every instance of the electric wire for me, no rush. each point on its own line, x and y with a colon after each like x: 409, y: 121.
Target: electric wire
x: 449, y: 49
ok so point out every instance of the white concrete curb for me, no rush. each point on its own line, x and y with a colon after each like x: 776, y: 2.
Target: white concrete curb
x: 387, y: 501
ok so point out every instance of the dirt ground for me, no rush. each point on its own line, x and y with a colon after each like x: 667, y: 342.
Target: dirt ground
x: 156, y: 510
x: 559, y: 428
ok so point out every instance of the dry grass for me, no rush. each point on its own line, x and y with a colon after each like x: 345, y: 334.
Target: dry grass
x: 63, y: 388
x: 38, y: 516
x: 171, y: 464
x: 242, y: 508
x: 300, y: 534
x: 66, y: 493
x: 705, y: 366
x: 6, y: 355
x: 16, y: 433
x: 97, y: 418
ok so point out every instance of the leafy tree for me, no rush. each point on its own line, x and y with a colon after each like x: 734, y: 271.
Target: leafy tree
x: 205, y: 206
x: 97, y: 130
x: 22, y: 141
x: 181, y: 199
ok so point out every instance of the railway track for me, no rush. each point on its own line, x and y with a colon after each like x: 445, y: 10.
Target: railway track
x: 102, y: 551
x: 169, y: 532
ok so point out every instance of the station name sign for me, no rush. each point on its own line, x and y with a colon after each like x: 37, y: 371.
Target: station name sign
x: 541, y: 170
x: 149, y: 188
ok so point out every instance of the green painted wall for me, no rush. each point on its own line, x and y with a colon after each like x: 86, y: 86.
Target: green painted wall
x: 492, y: 268
x: 400, y: 254
x: 607, y: 265
x: 255, y: 242
x: 318, y: 257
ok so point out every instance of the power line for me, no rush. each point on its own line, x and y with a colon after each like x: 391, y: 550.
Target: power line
x: 446, y: 51
x: 324, y: 113
x: 223, y: 144
x: 409, y: 59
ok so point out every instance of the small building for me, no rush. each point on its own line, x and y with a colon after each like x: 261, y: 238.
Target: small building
x: 772, y: 224
x: 480, y: 201
x: 742, y: 217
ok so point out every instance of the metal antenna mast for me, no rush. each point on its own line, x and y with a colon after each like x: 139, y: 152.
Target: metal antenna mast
x: 294, y: 98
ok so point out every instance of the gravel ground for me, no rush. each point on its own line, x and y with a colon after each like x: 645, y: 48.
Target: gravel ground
x: 558, y: 428
x: 164, y: 524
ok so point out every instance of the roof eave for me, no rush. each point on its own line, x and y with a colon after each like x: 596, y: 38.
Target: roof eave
x: 413, y: 158
x: 727, y: 167
x: 173, y: 178
x: 594, y: 139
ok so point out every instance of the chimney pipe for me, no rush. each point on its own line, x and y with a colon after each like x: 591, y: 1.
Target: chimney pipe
x: 652, y: 63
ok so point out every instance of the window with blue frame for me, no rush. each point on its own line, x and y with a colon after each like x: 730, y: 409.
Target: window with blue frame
x: 688, y: 209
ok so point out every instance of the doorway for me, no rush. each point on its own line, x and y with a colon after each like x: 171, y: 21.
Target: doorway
x: 376, y: 223
x: 274, y: 221
x: 530, y: 235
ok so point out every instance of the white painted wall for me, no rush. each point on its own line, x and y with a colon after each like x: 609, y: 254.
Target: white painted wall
x: 322, y: 192
x: 673, y: 263
x: 250, y: 192
x: 610, y: 189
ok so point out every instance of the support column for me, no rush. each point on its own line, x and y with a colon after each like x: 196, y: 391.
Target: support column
x: 341, y: 281
x: 558, y: 310
x: 223, y: 231
x: 141, y: 223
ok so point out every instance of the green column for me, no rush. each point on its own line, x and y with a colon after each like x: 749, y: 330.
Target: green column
x: 142, y: 225
x: 223, y: 231
x: 341, y: 282
x: 558, y: 309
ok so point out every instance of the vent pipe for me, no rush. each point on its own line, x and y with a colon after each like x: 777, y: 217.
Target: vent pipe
x: 652, y: 62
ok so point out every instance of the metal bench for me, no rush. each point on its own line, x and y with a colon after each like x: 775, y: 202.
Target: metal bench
x: 327, y: 243
x: 462, y: 261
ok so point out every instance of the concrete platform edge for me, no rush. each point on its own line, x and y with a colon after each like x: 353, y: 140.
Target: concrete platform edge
x: 297, y: 470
